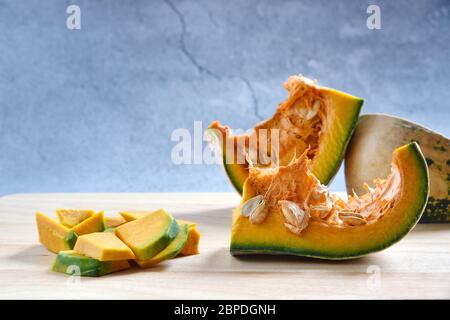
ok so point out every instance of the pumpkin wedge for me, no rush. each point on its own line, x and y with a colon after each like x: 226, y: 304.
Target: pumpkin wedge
x: 71, y: 217
x: 368, y: 156
x: 93, y: 224
x: 313, y: 118
x: 286, y: 210
x: 193, y: 241
x: 103, y: 246
x: 72, y: 263
x: 169, y: 252
x: 149, y: 235
x: 54, y: 236
x: 113, y: 222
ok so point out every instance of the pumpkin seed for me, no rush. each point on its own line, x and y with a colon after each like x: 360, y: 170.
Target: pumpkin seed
x: 259, y: 214
x: 251, y: 204
x: 324, y: 211
x: 293, y: 229
x: 348, y: 213
x: 312, y: 112
x: 256, y: 209
x: 319, y: 208
x: 352, y: 218
x: 296, y: 220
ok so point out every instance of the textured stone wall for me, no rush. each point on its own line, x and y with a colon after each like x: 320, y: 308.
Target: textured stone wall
x: 94, y: 109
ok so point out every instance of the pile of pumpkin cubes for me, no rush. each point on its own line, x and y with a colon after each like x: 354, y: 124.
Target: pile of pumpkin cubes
x: 89, y: 244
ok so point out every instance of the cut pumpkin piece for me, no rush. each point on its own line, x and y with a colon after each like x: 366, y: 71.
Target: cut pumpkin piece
x: 54, y: 236
x: 113, y: 222
x: 72, y: 263
x: 149, y: 235
x: 170, y: 251
x: 71, y: 217
x: 90, y: 225
x: 286, y: 210
x: 193, y: 241
x: 103, y: 246
x: 369, y: 152
x: 313, y: 118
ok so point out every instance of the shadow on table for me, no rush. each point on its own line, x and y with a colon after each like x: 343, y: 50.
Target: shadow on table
x: 36, y: 255
x: 39, y: 256
x: 285, y: 258
x: 221, y: 260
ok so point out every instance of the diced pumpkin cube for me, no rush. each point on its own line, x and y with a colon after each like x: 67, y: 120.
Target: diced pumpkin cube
x: 54, y: 236
x: 90, y: 225
x: 71, y: 217
x: 170, y: 251
x: 149, y: 235
x: 72, y: 263
x: 112, y: 222
x: 103, y: 246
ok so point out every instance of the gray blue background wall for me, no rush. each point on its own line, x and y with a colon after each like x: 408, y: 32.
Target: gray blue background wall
x: 94, y: 109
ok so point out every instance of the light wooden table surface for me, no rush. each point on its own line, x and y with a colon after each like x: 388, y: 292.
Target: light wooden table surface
x: 416, y: 267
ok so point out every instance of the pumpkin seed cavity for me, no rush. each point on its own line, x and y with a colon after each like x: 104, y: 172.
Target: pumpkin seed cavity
x: 301, y: 199
x: 291, y: 188
x: 299, y: 120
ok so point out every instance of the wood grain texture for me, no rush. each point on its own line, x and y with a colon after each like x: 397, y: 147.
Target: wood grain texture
x: 416, y: 267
